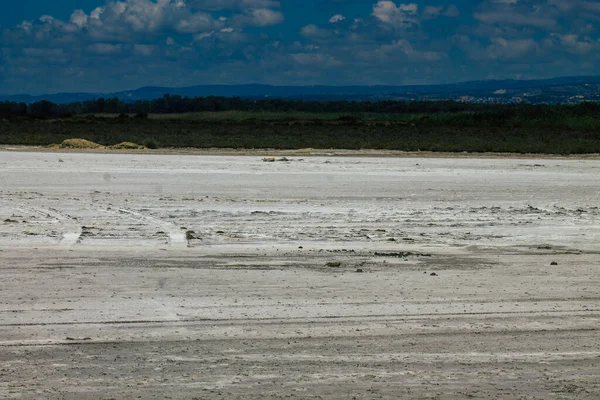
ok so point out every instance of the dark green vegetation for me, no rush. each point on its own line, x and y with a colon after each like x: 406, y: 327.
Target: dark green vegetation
x: 237, y: 123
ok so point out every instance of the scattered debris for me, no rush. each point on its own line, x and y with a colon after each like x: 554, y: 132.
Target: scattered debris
x: 273, y: 159
x: 190, y: 235
x: 10, y: 221
x: 360, y: 271
x: 402, y: 255
x: 553, y: 263
x: 334, y: 264
x: 433, y: 274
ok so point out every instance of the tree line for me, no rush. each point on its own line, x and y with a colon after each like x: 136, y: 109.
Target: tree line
x: 177, y: 104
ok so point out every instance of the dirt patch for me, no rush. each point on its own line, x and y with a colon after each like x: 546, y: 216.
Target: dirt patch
x: 305, y: 153
x: 127, y: 146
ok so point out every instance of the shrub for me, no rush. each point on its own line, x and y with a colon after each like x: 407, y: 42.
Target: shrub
x: 151, y: 144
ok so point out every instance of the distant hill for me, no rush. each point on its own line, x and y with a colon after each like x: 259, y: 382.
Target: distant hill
x: 567, y: 90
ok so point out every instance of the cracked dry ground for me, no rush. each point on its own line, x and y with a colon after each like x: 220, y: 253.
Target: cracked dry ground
x: 142, y: 276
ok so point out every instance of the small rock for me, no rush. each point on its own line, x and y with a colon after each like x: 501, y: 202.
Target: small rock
x: 360, y: 270
x: 433, y: 274
x: 300, y: 247
x: 334, y: 264
x: 553, y: 263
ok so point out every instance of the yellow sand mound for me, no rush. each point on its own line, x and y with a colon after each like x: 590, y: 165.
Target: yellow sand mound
x: 127, y: 146
x: 79, y: 144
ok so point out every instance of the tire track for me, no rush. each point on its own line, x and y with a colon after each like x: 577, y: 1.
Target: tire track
x: 71, y: 231
x: 177, y: 238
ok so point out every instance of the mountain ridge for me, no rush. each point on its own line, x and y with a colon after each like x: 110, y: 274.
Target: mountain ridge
x: 554, y: 90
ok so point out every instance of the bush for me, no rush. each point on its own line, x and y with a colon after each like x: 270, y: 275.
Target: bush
x: 151, y: 144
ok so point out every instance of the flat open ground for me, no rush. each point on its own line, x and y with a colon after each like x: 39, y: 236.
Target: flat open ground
x: 166, y: 276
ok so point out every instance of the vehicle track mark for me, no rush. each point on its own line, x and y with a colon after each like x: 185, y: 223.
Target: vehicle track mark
x: 71, y: 230
x: 177, y: 238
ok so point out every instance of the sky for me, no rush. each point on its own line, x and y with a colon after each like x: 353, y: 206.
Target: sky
x: 112, y: 45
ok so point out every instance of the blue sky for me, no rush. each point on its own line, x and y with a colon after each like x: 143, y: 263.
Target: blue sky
x: 110, y: 45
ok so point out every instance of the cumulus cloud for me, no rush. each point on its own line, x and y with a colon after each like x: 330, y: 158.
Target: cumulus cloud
x: 402, y: 15
x: 129, y: 43
x: 126, y: 21
x: 573, y: 44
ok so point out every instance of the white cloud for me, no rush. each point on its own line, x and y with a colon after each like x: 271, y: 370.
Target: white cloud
x: 204, y: 35
x: 573, y: 44
x: 336, y: 18
x: 79, y: 18
x: 401, y: 16
x: 124, y: 21
x: 263, y: 17
x: 313, y: 31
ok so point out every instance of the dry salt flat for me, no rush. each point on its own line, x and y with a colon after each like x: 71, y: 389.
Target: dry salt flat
x: 188, y: 276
